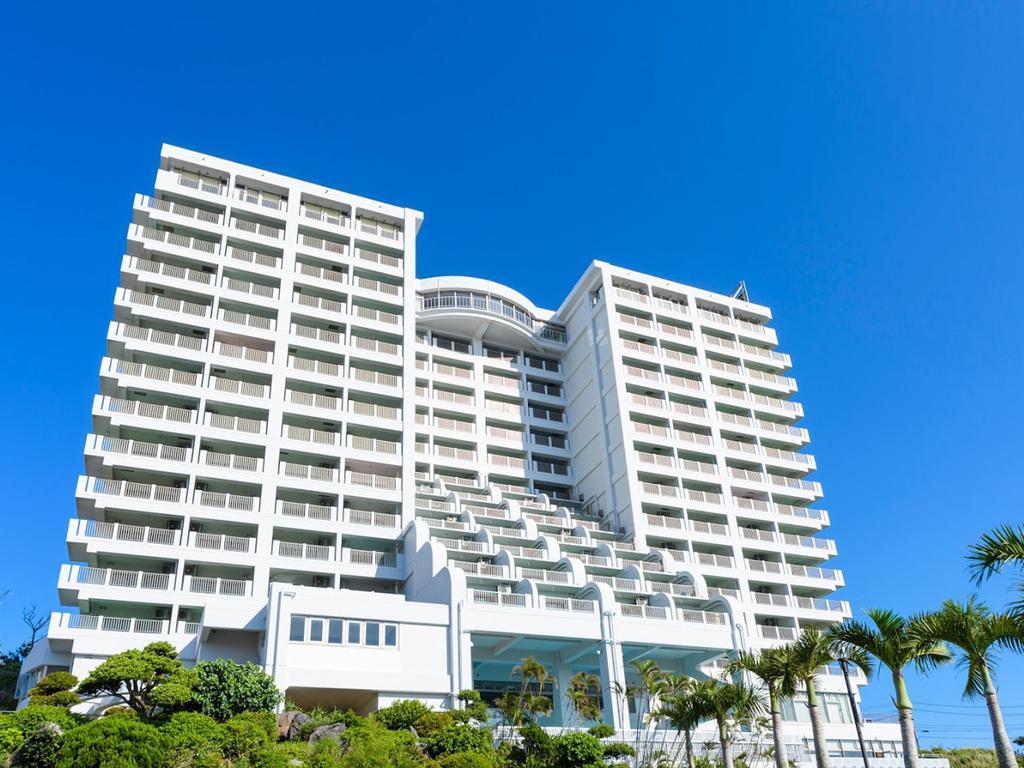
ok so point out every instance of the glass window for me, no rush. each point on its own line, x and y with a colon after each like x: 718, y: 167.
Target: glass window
x: 390, y: 635
x: 355, y: 633
x: 298, y: 631
x: 372, y: 633
x: 334, y: 635
x: 316, y: 631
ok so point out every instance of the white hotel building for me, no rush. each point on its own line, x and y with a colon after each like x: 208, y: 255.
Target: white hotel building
x: 383, y: 487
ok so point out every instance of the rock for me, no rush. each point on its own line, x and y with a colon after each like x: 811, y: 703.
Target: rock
x: 289, y: 724
x: 332, y: 732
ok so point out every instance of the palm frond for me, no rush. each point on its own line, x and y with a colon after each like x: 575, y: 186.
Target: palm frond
x: 998, y: 548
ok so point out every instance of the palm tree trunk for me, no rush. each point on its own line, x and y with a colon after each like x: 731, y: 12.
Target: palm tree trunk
x: 780, y: 745
x: 723, y: 739
x: 1004, y: 749
x: 817, y: 725
x: 691, y: 761
x: 906, y: 710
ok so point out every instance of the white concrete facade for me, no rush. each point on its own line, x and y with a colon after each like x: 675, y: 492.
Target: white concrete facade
x: 379, y: 487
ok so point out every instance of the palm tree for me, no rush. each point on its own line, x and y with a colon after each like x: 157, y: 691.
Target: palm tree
x: 582, y: 690
x: 896, y: 642
x: 679, y: 708
x: 976, y: 632
x: 773, y: 667
x: 729, y: 705
x: 652, y: 685
x: 1000, y: 547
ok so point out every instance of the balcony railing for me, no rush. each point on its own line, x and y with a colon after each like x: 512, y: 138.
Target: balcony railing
x: 111, y: 577
x: 304, y: 551
x: 305, y: 510
x: 75, y: 621
x: 133, y: 534
x: 368, y: 480
x: 130, y: 490
x: 221, y: 541
x: 208, y: 585
x: 174, y: 238
x: 370, y: 557
x: 139, y: 448
x: 481, y: 597
x: 179, y: 209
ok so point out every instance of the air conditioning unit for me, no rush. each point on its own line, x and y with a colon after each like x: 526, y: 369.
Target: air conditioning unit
x: 320, y: 581
x: 195, y: 527
x: 505, y: 588
x: 174, y: 525
x: 162, y: 613
x: 190, y: 570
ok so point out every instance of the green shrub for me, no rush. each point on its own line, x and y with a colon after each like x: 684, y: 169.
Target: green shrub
x: 433, y: 721
x: 318, y: 717
x: 370, y: 747
x: 55, y: 689
x: 578, y: 750
x: 326, y: 754
x: 40, y: 748
x: 223, y: 689
x: 401, y: 715
x: 618, y: 749
x: 467, y: 760
x: 10, y: 740
x: 248, y: 735
x: 459, y: 738
x: 601, y: 731
x: 474, y: 707
x: 112, y: 742
x: 191, y: 737
x: 28, y: 719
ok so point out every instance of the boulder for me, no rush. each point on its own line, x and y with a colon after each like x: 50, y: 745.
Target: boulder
x: 332, y: 731
x: 289, y: 724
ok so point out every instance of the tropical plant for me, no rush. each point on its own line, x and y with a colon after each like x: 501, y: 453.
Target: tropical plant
x: 997, y: 549
x: 773, y: 667
x: 223, y: 689
x: 144, y: 679
x: 523, y: 706
x: 730, y: 705
x: 681, y: 710
x: 897, y: 642
x: 977, y: 633
x: 582, y: 690
x: 401, y: 715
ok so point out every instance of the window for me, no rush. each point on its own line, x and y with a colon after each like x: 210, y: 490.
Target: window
x: 334, y: 632
x: 372, y: 633
x: 316, y: 631
x: 355, y: 633
x: 298, y: 631
x: 390, y: 635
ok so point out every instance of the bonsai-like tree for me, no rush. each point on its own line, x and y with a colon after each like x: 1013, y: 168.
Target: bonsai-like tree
x: 145, y: 679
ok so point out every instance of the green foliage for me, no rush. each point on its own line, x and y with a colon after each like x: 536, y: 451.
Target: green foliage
x: 401, y: 715
x: 112, y: 742
x: 474, y: 707
x: 374, y: 747
x: 55, y: 689
x: 618, y: 749
x: 467, y: 760
x: 318, y: 717
x: 10, y: 669
x: 432, y: 722
x: 10, y: 740
x: 28, y: 719
x: 223, y: 689
x: 601, y: 731
x: 459, y: 738
x: 191, y: 737
x: 248, y: 735
x: 577, y: 750
x: 40, y: 748
x: 144, y: 679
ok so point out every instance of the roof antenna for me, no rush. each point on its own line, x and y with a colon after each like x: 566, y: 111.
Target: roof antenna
x: 741, y: 292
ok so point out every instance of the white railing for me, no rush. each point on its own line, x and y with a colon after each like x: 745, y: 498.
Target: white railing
x: 308, y: 472
x: 264, y: 199
x: 258, y: 228
x: 310, y: 435
x: 317, y: 334
x: 776, y: 633
x: 250, y: 256
x: 377, y: 315
x: 370, y: 557
x: 322, y: 244
x: 237, y: 387
x: 570, y: 604
x: 179, y: 209
x: 221, y: 541
x: 249, y: 320
x: 173, y: 238
x: 139, y: 448
x: 112, y: 577
x: 150, y: 371
x: 373, y: 445
x: 232, y: 501
x: 327, y: 215
x: 539, y: 574
x: 367, y: 517
x: 378, y: 378
x: 231, y: 461
x: 378, y: 258
x: 378, y: 286
x: 302, y: 509
x: 130, y: 490
x: 167, y: 303
x: 251, y: 288
x: 235, y: 423
x: 137, y: 333
x: 171, y: 270
x: 310, y: 365
x: 134, y: 534
x: 90, y: 622
x: 368, y: 480
x: 514, y: 599
x: 252, y: 354
x: 643, y: 611
x: 325, y: 303
x: 208, y: 585
x: 304, y: 551
x: 313, y: 400
x: 360, y: 408
x: 375, y: 345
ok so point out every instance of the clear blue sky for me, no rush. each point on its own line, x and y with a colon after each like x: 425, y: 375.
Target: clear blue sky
x: 860, y: 165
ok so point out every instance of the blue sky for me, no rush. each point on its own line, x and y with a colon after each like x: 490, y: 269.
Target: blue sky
x: 858, y: 164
